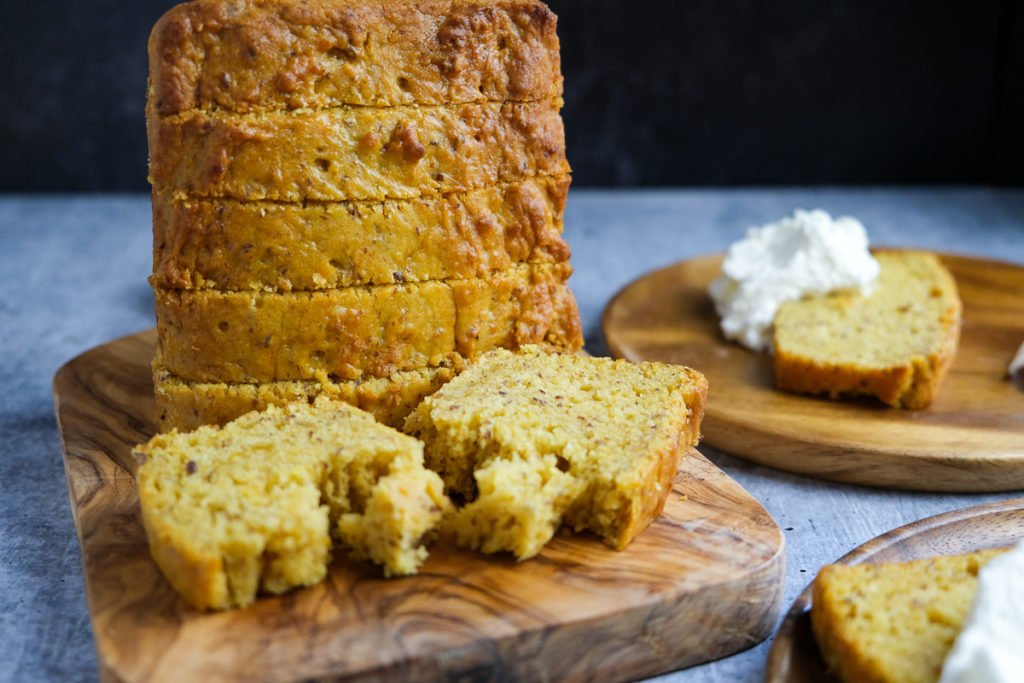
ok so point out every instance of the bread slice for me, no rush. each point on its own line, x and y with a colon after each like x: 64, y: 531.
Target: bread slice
x: 258, y: 55
x: 185, y: 405
x: 530, y: 441
x: 233, y: 245
x: 215, y: 336
x: 893, y: 622
x: 365, y: 153
x: 895, y: 344
x: 252, y: 506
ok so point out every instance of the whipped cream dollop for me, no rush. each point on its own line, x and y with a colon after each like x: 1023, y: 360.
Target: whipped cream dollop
x: 990, y: 647
x: 806, y: 254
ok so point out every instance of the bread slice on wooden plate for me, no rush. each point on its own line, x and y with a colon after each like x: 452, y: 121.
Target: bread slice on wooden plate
x: 895, y: 343
x: 528, y: 442
x: 893, y: 622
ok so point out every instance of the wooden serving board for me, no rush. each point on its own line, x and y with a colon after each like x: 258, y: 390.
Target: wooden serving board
x: 971, y: 438
x: 794, y: 657
x: 702, y: 582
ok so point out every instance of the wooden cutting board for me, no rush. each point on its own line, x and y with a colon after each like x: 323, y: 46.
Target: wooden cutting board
x: 702, y: 582
x: 970, y: 439
x: 794, y: 657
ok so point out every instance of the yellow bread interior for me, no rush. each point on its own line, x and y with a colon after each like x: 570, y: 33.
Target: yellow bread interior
x: 895, y: 343
x: 893, y: 622
x: 528, y: 441
x: 253, y: 506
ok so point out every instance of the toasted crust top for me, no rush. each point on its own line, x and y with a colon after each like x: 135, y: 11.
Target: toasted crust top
x: 250, y: 55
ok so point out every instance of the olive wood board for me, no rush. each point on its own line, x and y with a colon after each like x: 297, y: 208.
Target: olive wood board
x: 704, y: 581
x: 970, y: 439
x: 794, y: 656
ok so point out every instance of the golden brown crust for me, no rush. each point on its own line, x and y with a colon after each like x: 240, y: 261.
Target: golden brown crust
x: 214, y: 336
x: 356, y: 153
x: 910, y: 383
x: 268, y: 54
x: 842, y: 658
x: 638, y: 513
x: 185, y: 405
x: 232, y: 245
x: 198, y: 577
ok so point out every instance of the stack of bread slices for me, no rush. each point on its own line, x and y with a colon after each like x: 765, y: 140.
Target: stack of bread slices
x: 351, y: 198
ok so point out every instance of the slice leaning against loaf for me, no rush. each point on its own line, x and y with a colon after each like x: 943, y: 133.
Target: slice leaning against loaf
x: 895, y: 344
x: 185, y: 405
x: 214, y: 336
x: 234, y: 245
x: 293, y: 54
x: 252, y: 506
x: 530, y: 441
x: 893, y: 622
x: 356, y: 153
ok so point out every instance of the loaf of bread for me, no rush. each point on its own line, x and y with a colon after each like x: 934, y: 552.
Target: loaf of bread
x: 351, y: 198
x: 215, y: 336
x: 309, y: 54
x: 356, y: 153
x: 895, y: 344
x: 529, y: 441
x: 185, y: 405
x: 893, y: 622
x: 233, y: 245
x: 252, y: 506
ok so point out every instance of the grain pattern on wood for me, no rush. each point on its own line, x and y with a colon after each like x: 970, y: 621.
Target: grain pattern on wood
x: 971, y: 438
x: 794, y: 657
x: 702, y: 582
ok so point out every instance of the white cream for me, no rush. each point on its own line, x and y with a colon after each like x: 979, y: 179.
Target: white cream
x: 990, y: 647
x: 807, y: 254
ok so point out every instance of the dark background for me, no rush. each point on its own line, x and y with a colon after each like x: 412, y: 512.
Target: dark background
x: 658, y: 92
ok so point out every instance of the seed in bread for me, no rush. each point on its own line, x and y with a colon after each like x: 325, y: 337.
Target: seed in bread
x: 530, y: 441
x: 303, y: 54
x: 235, y: 245
x: 364, y: 153
x: 350, y: 333
x: 895, y: 344
x: 893, y: 622
x: 252, y: 506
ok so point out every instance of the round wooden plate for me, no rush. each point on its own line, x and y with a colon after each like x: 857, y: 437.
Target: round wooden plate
x: 794, y: 657
x: 970, y: 439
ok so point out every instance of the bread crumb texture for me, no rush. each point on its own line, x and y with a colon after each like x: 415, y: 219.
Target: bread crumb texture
x: 893, y: 622
x: 253, y: 506
x: 529, y: 441
x: 896, y: 343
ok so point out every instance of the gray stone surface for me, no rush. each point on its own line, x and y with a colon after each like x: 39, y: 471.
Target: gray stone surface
x: 72, y: 275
